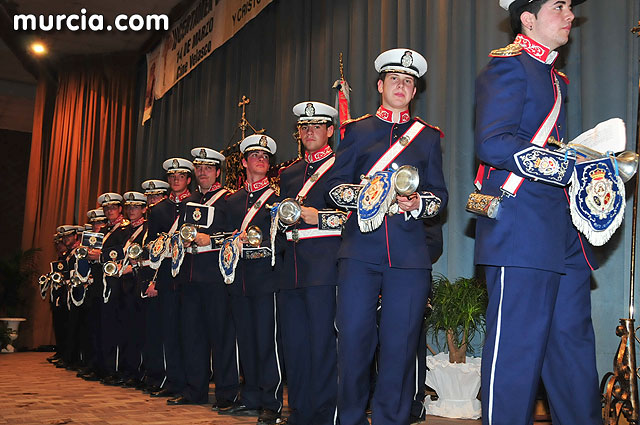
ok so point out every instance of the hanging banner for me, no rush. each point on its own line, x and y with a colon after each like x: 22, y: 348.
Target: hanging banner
x: 204, y: 28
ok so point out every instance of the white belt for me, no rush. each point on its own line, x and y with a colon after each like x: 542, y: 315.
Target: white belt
x: 312, y: 233
x: 202, y: 249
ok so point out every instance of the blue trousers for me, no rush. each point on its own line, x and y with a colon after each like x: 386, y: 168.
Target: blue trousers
x: 539, y: 327
x: 404, y: 296
x: 169, y: 296
x: 207, y: 330
x: 306, y: 319
x: 255, y: 321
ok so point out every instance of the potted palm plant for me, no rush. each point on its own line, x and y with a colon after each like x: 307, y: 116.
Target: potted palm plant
x: 458, y: 314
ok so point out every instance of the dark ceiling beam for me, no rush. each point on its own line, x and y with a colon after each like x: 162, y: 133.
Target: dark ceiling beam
x: 15, y: 42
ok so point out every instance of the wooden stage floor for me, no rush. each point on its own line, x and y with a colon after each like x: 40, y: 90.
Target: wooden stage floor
x: 32, y: 391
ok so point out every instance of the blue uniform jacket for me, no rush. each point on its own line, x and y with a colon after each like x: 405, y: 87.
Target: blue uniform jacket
x: 514, y: 95
x: 400, y: 243
x: 308, y: 262
x: 205, y: 265
x: 161, y: 217
x: 253, y: 277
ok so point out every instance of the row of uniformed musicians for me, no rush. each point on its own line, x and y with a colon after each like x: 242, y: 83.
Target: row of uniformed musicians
x: 168, y: 315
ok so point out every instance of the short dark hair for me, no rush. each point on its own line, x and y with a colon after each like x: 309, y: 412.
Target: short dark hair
x: 533, y: 7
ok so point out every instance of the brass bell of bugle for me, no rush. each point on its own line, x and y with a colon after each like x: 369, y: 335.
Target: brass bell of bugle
x: 254, y: 236
x: 42, y: 280
x: 627, y: 165
x: 289, y: 211
x: 110, y: 268
x: 134, y: 251
x: 188, y: 232
x: 405, y: 180
x: 56, y: 277
x: 82, y: 252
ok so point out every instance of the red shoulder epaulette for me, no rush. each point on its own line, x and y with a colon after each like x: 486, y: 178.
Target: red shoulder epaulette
x: 281, y: 169
x: 355, y: 119
x: 562, y: 75
x: 435, y: 127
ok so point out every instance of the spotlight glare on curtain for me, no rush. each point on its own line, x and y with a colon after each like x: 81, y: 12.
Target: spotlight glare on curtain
x: 38, y: 48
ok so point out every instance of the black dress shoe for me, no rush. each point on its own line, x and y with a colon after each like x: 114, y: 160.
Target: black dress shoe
x: 162, y: 393
x: 151, y: 389
x: 91, y: 376
x: 53, y: 358
x: 60, y: 364
x: 131, y: 383
x: 179, y: 400
x: 268, y: 417
x: 238, y: 409
x: 112, y: 380
x: 221, y: 404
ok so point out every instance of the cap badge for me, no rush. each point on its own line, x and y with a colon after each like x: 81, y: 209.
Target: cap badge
x: 309, y: 110
x: 107, y: 198
x: 263, y: 141
x: 60, y: 266
x: 197, y: 215
x: 113, y: 254
x: 407, y: 59
x: 152, y: 185
x: 203, y: 153
x: 175, y: 163
x: 132, y: 197
x: 92, y: 214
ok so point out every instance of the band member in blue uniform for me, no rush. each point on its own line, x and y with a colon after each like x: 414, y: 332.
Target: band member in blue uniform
x: 253, y: 299
x: 110, y: 322
x: 167, y: 217
x: 152, y: 351
x: 93, y: 303
x: 307, y: 288
x: 391, y: 260
x: 135, y: 207
x: 537, y: 266
x: 71, y: 353
x: 58, y: 315
x: 207, y: 329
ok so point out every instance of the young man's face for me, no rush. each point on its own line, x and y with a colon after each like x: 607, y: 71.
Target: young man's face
x: 315, y: 136
x: 206, y: 175
x: 178, y: 182
x: 397, y: 90
x: 69, y: 240
x: 552, y: 24
x: 134, y: 212
x: 256, y: 163
x: 112, y: 211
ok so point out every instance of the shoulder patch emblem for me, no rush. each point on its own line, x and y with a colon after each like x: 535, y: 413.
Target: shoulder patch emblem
x: 512, y: 49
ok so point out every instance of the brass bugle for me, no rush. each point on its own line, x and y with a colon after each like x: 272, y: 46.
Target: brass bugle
x: 406, y: 180
x: 110, y: 268
x: 289, y: 211
x: 188, y: 232
x: 56, y: 277
x: 82, y: 252
x: 627, y: 161
x: 254, y: 236
x: 134, y: 251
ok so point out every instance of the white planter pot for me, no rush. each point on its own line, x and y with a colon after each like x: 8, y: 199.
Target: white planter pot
x: 12, y: 324
x: 457, y: 386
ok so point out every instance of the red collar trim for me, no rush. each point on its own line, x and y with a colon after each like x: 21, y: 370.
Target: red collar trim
x: 261, y: 184
x: 138, y: 222
x: 117, y: 220
x: 177, y: 199
x: 213, y: 187
x: 535, y: 49
x: 393, y: 117
x: 319, y: 155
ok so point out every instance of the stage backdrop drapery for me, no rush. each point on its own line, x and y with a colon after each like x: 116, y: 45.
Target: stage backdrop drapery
x: 83, y: 132
x: 290, y: 53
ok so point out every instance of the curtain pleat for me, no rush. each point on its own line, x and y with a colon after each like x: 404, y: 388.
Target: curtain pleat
x: 88, y: 150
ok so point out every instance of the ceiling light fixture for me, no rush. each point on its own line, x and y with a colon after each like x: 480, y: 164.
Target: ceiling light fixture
x: 38, y: 48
